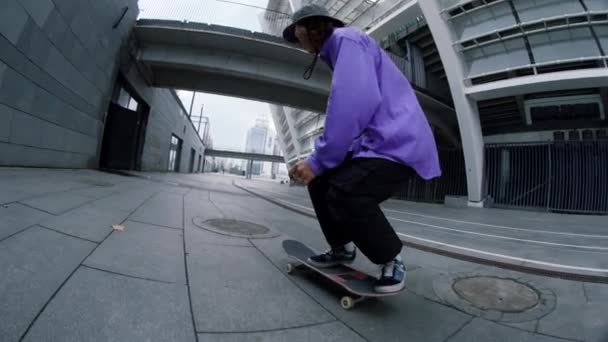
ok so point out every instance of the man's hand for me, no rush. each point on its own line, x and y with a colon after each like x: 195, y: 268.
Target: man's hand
x: 302, y: 172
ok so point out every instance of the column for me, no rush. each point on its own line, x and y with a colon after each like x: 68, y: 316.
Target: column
x: 466, y: 109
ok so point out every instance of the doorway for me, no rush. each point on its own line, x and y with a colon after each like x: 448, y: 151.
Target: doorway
x: 175, y: 153
x: 192, y: 159
x: 124, y: 131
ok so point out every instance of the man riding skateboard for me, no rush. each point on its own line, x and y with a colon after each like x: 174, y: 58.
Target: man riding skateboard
x: 376, y: 137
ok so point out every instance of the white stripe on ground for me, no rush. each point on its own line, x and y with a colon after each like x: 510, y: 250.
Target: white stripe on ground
x: 497, y: 226
x: 597, y: 248
x: 523, y: 260
x: 480, y: 252
x: 540, y: 231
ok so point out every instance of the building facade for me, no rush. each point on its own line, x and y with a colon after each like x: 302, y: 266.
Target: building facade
x: 71, y: 95
x: 528, y: 81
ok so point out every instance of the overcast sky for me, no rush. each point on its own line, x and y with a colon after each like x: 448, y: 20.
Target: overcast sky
x: 230, y: 117
x: 238, y: 13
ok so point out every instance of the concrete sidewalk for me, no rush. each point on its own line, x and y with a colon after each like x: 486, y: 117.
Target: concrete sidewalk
x: 201, y: 260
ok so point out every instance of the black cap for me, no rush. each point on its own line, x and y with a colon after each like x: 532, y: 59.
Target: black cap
x: 307, y: 11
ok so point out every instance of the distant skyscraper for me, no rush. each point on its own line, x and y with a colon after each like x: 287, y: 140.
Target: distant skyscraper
x: 276, y: 150
x: 257, y: 142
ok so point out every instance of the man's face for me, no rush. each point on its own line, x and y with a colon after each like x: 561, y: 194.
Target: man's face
x: 304, y: 39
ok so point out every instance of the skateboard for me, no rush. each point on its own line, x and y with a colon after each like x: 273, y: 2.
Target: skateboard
x: 360, y: 285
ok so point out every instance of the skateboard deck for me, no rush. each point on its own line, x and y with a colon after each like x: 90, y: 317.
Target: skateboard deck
x: 355, y: 282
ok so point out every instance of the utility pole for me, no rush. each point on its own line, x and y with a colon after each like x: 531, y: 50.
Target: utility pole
x: 205, y: 130
x: 201, y: 118
x: 192, y: 104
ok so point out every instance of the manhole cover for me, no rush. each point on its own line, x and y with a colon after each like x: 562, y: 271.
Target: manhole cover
x: 238, y: 227
x: 489, y: 293
x: 95, y: 182
x: 235, y: 228
x: 495, y: 297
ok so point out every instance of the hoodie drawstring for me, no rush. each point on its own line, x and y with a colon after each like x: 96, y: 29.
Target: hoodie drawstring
x: 308, y: 73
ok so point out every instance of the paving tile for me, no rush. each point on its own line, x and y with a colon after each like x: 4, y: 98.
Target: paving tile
x: 95, y: 192
x: 144, y: 251
x: 570, y: 298
x: 125, y: 200
x: 596, y: 293
x: 420, y: 281
x: 528, y: 326
x: 480, y: 330
x: 57, y: 203
x: 330, y: 332
x: 12, y: 194
x: 561, y: 323
x: 248, y: 293
x: 594, y: 322
x: 165, y: 209
x: 33, y: 265
x: 99, y: 306
x: 86, y: 222
x: 389, y: 319
x: 15, y: 217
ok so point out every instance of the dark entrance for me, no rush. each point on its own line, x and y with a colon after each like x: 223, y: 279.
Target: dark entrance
x: 192, y: 156
x: 175, y: 153
x: 124, y: 132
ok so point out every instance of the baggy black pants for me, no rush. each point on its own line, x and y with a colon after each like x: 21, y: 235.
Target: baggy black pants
x: 346, y: 200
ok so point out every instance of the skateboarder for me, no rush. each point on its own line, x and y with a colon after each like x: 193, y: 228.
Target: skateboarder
x: 376, y: 137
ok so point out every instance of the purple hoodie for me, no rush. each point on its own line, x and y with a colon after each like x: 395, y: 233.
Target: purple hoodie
x: 372, y: 111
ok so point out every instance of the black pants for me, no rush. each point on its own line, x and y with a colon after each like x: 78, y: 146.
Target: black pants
x: 346, y: 200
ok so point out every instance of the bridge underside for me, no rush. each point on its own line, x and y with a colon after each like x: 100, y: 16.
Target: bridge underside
x: 245, y: 156
x: 220, y: 60
x: 213, y: 82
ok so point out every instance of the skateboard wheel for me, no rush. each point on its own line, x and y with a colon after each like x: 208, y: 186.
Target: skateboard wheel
x: 290, y: 268
x: 347, y: 303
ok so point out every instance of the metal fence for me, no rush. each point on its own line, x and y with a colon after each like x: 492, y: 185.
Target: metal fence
x: 567, y: 177
x: 452, y: 182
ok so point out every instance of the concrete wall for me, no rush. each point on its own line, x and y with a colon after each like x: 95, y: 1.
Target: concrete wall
x: 58, y: 67
x: 57, y: 70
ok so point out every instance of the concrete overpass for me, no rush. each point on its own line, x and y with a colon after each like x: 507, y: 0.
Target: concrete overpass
x: 229, y: 61
x: 245, y: 156
x: 236, y: 62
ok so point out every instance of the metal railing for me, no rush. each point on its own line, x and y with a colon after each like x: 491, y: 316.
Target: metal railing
x: 248, y: 15
x: 452, y: 182
x: 402, y: 31
x: 376, y: 20
x: 564, y: 21
x: 567, y: 176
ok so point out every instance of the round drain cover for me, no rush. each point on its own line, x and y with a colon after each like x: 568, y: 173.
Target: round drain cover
x: 495, y: 297
x: 96, y: 182
x: 235, y: 228
x: 489, y: 293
